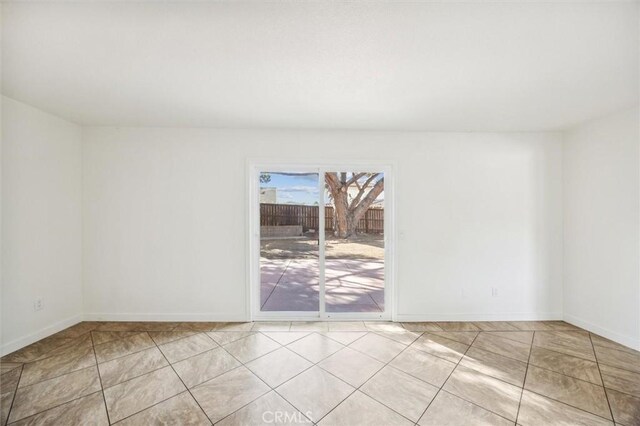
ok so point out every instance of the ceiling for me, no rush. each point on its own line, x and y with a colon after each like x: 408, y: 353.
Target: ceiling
x: 381, y: 65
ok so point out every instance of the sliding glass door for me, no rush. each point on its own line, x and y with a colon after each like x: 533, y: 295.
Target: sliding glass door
x: 289, y: 250
x: 321, y: 241
x: 354, y: 241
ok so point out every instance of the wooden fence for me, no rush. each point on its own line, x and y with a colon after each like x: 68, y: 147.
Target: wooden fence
x: 294, y: 214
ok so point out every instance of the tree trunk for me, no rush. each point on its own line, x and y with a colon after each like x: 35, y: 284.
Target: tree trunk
x: 341, y: 216
x: 347, y: 216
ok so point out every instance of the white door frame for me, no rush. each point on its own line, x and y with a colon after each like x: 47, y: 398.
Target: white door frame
x: 254, y: 167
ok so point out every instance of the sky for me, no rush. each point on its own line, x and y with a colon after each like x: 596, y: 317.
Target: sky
x: 294, y: 189
x: 297, y: 189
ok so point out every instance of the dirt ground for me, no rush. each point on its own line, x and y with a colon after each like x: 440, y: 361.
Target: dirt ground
x: 361, y: 246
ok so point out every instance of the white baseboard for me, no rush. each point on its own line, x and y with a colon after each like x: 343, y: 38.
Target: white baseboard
x: 47, y: 331
x: 631, y: 342
x: 497, y: 316
x: 191, y: 317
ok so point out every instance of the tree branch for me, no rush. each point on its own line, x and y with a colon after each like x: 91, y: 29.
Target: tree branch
x: 354, y: 178
x: 356, y: 200
x: 369, y: 199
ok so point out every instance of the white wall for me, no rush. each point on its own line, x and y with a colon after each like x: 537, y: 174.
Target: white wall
x: 601, y: 227
x: 41, y: 224
x: 165, y: 225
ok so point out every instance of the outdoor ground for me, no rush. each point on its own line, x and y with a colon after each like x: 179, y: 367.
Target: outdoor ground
x: 354, y: 271
x: 362, y: 246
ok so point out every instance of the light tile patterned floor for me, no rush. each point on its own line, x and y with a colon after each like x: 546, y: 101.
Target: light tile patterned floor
x: 339, y: 373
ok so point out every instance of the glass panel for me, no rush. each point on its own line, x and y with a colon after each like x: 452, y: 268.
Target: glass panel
x: 289, y: 253
x: 354, y: 254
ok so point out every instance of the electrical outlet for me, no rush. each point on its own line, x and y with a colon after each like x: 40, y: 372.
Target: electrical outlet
x: 38, y: 305
x: 494, y: 292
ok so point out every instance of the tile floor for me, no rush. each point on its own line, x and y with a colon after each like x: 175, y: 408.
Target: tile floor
x: 339, y: 373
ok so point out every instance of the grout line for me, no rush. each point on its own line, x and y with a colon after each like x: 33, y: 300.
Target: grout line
x: 355, y: 388
x: 502, y: 354
x: 15, y: 393
x: 58, y: 376
x: 309, y: 360
x: 422, y: 330
x: 633, y: 353
x: 358, y: 388
x: 20, y: 364
x: 494, y: 330
x: 397, y: 341
x: 635, y: 396
x: 448, y: 377
x: 213, y: 377
x: 175, y: 340
x: 565, y: 375
x: 183, y: 383
x: 450, y: 339
x: 63, y: 403
x: 235, y: 340
x: 47, y: 354
x: 619, y: 368
x: 313, y: 364
x: 219, y: 346
x: 272, y: 389
x: 524, y: 381
x: 125, y: 355
x: 509, y: 331
x: 153, y: 405
x: 475, y: 404
x: 451, y: 362
x: 132, y: 333
x: 606, y: 395
x: 387, y: 364
x: 522, y: 387
x: 543, y: 395
x: 321, y: 333
x: 51, y: 408
x: 135, y: 377
x: 104, y: 399
x: 572, y: 406
x: 458, y: 396
x: 478, y: 405
x: 141, y: 375
x: 272, y: 331
x: 477, y: 330
x: 563, y: 353
x: 283, y: 345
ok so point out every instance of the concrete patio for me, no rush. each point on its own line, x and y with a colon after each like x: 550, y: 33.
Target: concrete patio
x: 353, y: 285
